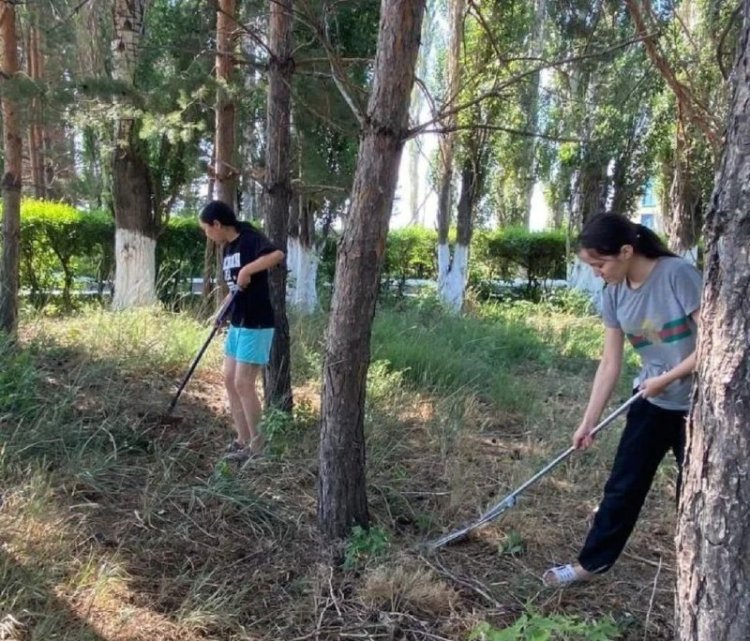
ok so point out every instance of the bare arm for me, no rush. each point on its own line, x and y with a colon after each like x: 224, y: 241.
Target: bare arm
x: 607, y: 375
x: 258, y: 265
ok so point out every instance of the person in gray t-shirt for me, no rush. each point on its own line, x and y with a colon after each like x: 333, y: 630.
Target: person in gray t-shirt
x: 652, y: 299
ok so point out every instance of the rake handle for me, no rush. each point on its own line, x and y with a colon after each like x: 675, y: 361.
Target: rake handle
x: 220, y: 318
x: 510, y: 500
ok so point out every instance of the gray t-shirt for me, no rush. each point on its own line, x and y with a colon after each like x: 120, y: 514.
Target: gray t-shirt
x: 656, y: 319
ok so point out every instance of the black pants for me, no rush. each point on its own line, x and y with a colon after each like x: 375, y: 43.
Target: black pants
x: 649, y: 433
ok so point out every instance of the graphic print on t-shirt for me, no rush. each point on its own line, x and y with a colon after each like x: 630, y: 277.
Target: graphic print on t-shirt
x: 232, y: 261
x: 670, y: 332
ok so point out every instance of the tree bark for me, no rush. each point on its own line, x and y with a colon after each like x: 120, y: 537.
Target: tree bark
x: 342, y: 499
x: 713, y: 539
x: 446, y: 153
x: 225, y: 169
x: 11, y: 239
x: 278, y: 379
x: 132, y: 193
x: 35, y: 69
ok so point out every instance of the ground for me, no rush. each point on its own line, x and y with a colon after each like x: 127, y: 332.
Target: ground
x: 119, y: 525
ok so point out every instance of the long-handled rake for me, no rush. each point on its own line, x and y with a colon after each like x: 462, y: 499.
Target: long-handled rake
x: 512, y: 498
x: 220, y: 318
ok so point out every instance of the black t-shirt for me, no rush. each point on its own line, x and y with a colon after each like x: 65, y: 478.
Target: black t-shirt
x: 252, y: 306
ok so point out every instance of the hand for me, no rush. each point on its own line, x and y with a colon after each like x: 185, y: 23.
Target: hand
x: 243, y: 280
x: 582, y: 437
x: 654, y: 386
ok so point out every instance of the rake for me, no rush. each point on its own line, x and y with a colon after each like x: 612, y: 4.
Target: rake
x: 512, y: 498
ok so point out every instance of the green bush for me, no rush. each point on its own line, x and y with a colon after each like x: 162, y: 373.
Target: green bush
x: 515, y: 252
x: 62, y: 248
x: 60, y: 244
x: 410, y: 252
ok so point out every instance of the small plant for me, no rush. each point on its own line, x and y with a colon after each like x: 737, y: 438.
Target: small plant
x: 512, y: 545
x: 364, y: 545
x: 531, y: 626
x: 276, y: 428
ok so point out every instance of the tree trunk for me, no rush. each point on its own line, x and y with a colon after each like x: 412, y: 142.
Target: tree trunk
x: 225, y: 170
x: 446, y: 153
x: 34, y: 63
x: 683, y: 218
x: 12, y: 177
x: 458, y: 276
x: 278, y: 379
x: 132, y: 194
x: 713, y: 539
x: 342, y: 499
x: 302, y: 257
x: 530, y: 98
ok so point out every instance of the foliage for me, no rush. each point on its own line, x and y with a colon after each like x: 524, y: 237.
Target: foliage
x: 514, y: 252
x: 365, y: 545
x: 410, y: 253
x: 532, y: 626
x: 58, y: 244
x: 64, y: 250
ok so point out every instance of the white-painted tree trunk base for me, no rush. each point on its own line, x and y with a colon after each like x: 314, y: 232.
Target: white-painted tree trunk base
x: 582, y: 278
x: 135, y: 270
x: 691, y: 256
x: 453, y: 276
x: 302, y: 262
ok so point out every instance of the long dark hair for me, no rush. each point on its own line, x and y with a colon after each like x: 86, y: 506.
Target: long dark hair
x: 607, y: 233
x: 217, y: 210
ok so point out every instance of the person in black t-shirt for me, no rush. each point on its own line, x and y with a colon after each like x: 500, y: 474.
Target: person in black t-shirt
x: 247, y: 257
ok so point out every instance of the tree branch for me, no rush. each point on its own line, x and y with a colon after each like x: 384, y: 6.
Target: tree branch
x: 498, y: 88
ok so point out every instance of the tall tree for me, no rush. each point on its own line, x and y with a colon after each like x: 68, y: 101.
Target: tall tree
x: 136, y: 229
x: 278, y: 380
x: 342, y: 498
x: 36, y: 135
x: 713, y: 602
x: 451, y: 269
x: 225, y: 167
x: 9, y: 267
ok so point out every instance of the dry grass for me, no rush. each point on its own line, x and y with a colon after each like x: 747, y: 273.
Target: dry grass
x: 116, y: 528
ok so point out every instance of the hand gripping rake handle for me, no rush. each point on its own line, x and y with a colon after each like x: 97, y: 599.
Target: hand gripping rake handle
x: 220, y: 318
x: 512, y: 498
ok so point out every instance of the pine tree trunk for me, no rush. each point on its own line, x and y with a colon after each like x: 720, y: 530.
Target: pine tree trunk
x: 36, y: 127
x: 132, y: 194
x: 9, y: 267
x: 278, y: 380
x: 342, y: 498
x: 713, y: 539
x: 225, y: 173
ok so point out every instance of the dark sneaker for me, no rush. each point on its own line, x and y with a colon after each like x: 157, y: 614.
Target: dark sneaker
x: 234, y: 446
x: 239, y: 455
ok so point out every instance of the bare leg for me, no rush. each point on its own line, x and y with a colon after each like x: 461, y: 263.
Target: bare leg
x: 235, y: 403
x: 245, y: 378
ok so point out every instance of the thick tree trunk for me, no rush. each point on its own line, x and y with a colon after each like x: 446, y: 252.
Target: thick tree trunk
x: 342, y: 499
x: 132, y: 193
x: 713, y: 540
x: 278, y: 379
x: 11, y: 239
x: 447, y: 280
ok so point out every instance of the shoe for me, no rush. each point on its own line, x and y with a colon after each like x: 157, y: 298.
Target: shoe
x: 234, y: 446
x: 239, y: 455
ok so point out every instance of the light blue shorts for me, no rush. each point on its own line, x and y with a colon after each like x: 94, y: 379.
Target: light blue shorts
x: 249, y: 345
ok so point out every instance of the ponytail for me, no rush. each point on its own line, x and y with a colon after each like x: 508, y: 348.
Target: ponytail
x: 607, y: 233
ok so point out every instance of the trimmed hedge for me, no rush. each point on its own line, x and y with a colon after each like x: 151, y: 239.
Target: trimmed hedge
x: 62, y: 249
